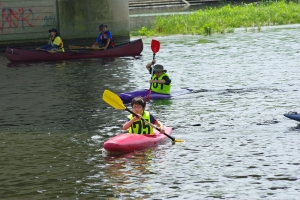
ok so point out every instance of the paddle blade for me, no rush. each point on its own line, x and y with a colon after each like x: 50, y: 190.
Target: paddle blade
x: 155, y: 45
x: 113, y: 100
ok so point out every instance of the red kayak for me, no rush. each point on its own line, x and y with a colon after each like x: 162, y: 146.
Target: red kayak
x: 132, y: 48
x: 132, y: 142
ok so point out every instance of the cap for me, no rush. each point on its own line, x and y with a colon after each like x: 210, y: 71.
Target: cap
x: 53, y: 30
x: 159, y: 68
x: 101, y: 26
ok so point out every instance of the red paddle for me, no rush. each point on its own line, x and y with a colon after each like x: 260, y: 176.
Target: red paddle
x: 155, y: 45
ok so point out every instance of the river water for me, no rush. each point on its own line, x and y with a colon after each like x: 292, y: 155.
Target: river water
x: 237, y: 143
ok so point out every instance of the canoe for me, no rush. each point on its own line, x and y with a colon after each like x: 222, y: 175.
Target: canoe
x: 128, y: 96
x: 293, y: 115
x: 132, y: 48
x: 126, y: 142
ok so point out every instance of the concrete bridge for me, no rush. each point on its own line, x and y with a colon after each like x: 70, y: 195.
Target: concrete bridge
x: 24, y: 22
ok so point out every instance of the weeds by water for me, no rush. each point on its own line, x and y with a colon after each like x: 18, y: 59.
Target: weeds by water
x: 224, y: 19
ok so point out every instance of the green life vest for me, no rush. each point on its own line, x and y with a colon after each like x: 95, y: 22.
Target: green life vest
x: 140, y: 127
x: 160, y: 88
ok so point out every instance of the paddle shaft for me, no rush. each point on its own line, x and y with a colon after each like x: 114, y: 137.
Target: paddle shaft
x: 172, y: 138
x: 80, y: 47
x: 149, y: 93
x: 50, y: 51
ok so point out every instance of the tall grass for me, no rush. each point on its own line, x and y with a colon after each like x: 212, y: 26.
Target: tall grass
x: 226, y: 18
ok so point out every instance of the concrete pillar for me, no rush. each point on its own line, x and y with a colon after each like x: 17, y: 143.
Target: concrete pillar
x: 81, y: 18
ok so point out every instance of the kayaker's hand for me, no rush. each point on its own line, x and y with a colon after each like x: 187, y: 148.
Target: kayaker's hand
x: 162, y: 130
x: 153, y: 62
x: 138, y: 117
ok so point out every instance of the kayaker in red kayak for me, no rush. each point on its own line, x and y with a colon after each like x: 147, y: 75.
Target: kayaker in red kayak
x: 135, y: 124
x: 104, y: 39
x: 55, y: 43
x: 160, y: 81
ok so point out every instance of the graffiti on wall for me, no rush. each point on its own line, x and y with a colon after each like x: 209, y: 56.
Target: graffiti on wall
x: 23, y: 18
x: 17, y: 18
x: 49, y: 20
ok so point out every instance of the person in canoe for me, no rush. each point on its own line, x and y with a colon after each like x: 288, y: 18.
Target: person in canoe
x: 135, y: 124
x: 55, y: 43
x: 104, y: 39
x: 160, y: 80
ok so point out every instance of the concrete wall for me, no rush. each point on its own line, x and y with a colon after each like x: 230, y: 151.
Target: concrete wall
x: 21, y: 20
x: 81, y: 18
x: 28, y: 21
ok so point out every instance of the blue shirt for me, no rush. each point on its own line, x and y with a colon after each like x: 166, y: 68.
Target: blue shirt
x: 105, y: 36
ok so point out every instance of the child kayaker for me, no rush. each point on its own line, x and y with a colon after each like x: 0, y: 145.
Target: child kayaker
x: 160, y: 81
x: 135, y: 124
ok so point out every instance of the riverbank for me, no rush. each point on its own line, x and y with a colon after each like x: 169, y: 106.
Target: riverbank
x: 224, y: 19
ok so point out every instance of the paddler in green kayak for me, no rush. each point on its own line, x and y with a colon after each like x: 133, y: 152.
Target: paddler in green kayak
x: 135, y: 124
x: 160, y: 80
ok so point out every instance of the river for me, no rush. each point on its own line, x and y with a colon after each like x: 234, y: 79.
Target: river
x: 237, y: 143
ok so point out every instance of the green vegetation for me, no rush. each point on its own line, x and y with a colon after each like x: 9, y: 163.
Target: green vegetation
x: 224, y: 19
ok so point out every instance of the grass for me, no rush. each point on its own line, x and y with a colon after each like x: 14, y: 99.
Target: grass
x: 226, y: 18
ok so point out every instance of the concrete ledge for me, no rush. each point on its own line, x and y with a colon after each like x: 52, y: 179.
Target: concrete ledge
x: 166, y: 3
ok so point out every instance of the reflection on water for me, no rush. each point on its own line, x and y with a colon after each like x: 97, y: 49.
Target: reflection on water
x: 57, y: 95
x: 126, y: 168
x: 238, y: 144
x: 32, y: 64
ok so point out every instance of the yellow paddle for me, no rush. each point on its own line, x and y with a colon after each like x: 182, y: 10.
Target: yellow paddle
x: 115, y: 101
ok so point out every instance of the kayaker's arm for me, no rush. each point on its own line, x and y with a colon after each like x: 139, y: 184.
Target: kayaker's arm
x: 162, y: 81
x: 165, y: 80
x: 127, y: 125
x: 160, y: 125
x: 95, y: 45
x: 148, y: 66
x: 107, y: 43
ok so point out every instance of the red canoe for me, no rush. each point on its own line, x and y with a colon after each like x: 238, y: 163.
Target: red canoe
x: 132, y: 48
x: 132, y: 142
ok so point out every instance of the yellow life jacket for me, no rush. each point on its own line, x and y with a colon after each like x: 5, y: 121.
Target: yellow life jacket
x: 57, y: 41
x: 140, y: 127
x: 158, y: 87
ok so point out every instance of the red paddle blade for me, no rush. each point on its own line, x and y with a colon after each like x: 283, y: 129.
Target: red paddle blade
x: 155, y: 45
